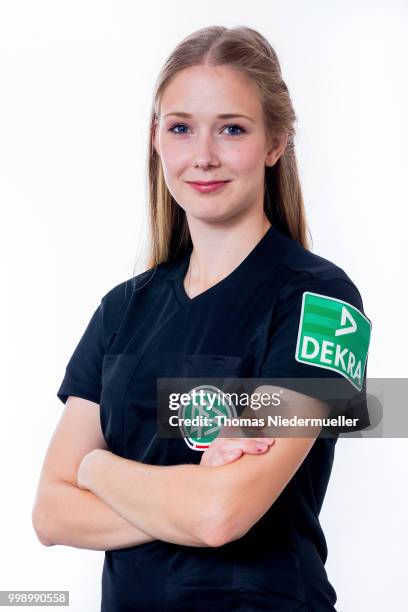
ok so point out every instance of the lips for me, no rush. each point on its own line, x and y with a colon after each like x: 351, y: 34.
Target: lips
x: 207, y: 186
x: 206, y: 182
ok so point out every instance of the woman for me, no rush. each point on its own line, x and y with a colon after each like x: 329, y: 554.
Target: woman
x: 227, y: 285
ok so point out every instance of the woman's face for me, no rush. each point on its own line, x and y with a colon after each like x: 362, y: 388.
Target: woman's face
x: 206, y: 147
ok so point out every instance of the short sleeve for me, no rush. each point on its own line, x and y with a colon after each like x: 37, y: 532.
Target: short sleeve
x: 83, y: 372
x: 321, y: 333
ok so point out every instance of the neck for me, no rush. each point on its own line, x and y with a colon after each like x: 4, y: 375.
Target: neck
x: 217, y: 252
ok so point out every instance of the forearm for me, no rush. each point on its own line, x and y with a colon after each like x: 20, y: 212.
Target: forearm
x: 75, y: 517
x: 172, y: 503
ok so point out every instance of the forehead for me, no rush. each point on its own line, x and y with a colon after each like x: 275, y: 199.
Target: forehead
x: 211, y: 90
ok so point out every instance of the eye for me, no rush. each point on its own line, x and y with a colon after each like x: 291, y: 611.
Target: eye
x: 182, y: 125
x: 175, y: 126
x: 235, y: 125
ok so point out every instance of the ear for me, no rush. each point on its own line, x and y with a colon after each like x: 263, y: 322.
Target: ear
x: 277, y: 147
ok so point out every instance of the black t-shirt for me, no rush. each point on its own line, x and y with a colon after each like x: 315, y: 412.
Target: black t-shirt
x: 247, y: 325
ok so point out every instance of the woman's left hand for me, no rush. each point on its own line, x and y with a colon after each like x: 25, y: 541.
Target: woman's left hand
x: 225, y: 450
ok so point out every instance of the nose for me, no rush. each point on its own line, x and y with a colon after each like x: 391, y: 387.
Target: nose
x: 204, y: 152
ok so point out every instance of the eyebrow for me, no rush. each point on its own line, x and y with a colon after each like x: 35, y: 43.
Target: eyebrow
x: 222, y: 116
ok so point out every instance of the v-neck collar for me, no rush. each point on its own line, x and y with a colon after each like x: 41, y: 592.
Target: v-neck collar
x: 177, y: 274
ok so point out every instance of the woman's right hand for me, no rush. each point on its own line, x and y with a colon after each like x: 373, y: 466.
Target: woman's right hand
x: 226, y: 450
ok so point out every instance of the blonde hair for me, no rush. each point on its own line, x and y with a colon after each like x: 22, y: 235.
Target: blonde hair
x: 243, y: 49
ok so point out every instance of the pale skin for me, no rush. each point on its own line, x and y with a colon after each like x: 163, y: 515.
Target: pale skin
x: 66, y: 514
x: 167, y: 501
x: 90, y: 498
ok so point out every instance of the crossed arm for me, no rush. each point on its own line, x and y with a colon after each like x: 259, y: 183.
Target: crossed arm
x: 110, y: 502
x: 195, y: 504
x: 201, y: 505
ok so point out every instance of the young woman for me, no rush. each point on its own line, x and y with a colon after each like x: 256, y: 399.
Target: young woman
x: 223, y: 295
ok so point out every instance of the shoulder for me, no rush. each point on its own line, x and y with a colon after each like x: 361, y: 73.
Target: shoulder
x: 318, y: 320
x: 124, y: 295
x: 306, y: 271
x: 119, y: 296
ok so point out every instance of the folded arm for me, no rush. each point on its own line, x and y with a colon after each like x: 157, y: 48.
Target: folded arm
x: 67, y: 515
x: 203, y: 505
x: 63, y: 513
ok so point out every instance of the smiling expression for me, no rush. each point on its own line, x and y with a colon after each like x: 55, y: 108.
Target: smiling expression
x: 211, y: 128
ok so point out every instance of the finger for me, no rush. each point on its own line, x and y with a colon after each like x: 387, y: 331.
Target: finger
x: 247, y: 445
x: 227, y: 442
x: 235, y: 452
x: 255, y: 446
x: 231, y: 456
x: 221, y: 458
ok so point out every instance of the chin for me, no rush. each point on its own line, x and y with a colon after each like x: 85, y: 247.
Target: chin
x: 213, y: 216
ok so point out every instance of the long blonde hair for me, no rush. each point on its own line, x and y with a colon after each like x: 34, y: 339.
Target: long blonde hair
x: 244, y: 49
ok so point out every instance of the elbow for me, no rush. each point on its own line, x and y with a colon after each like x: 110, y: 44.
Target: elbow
x: 218, y: 534
x: 39, y: 522
x: 214, y: 538
x: 219, y: 527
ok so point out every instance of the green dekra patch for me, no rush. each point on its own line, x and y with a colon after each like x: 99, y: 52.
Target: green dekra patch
x: 334, y: 335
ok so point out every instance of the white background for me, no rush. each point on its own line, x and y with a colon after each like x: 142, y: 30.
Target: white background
x: 76, y: 82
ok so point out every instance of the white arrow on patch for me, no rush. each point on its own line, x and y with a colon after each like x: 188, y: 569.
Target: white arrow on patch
x: 346, y: 316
